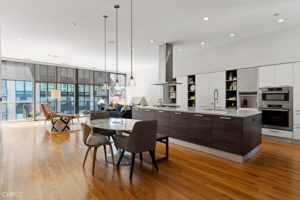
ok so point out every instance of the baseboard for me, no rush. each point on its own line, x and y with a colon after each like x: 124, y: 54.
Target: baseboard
x: 215, y: 152
x: 278, y: 139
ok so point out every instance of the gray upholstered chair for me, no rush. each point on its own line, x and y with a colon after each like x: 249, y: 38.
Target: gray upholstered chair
x: 142, y: 138
x: 101, y: 115
x: 94, y: 141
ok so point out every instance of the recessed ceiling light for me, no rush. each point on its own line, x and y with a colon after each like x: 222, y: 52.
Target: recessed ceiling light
x: 205, y: 18
x: 179, y: 49
x: 19, y: 39
x: 151, y: 41
x: 281, y: 20
x: 232, y: 35
x: 276, y: 14
x: 203, y: 43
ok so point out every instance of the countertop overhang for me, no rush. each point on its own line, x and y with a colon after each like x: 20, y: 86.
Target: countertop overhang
x: 227, y: 112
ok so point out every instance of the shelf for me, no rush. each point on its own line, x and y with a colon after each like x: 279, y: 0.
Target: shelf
x: 192, y: 91
x: 191, y: 83
x: 231, y: 90
x: 231, y: 80
x: 191, y: 99
x: 231, y: 99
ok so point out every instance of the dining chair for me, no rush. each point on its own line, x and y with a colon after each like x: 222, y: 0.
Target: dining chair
x: 141, y: 139
x: 101, y: 115
x: 94, y: 141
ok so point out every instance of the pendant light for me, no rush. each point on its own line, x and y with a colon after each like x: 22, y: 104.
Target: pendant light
x: 131, y: 82
x: 117, y: 50
x: 105, y: 86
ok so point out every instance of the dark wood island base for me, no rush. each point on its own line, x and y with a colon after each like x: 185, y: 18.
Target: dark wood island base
x: 234, y: 135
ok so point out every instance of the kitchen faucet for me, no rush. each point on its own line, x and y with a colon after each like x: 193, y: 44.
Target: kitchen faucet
x: 216, y: 97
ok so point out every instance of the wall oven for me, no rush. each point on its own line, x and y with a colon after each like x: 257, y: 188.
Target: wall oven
x: 276, y: 105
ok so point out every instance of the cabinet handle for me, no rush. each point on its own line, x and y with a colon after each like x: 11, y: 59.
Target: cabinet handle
x: 177, y: 113
x: 161, y: 111
x: 147, y: 110
x: 227, y: 118
x: 274, y: 131
x: 198, y: 115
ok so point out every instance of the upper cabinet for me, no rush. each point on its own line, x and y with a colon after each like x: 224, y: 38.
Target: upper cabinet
x: 276, y: 76
x: 284, y: 75
x: 181, y: 91
x: 266, y: 76
x: 247, y: 80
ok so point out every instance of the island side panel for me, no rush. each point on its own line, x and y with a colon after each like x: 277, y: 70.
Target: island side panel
x: 252, y: 133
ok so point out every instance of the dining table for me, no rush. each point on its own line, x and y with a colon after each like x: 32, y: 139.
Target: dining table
x: 120, y: 126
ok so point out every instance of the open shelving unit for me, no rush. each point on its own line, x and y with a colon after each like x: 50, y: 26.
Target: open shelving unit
x: 172, y: 92
x: 231, y: 89
x: 191, y: 91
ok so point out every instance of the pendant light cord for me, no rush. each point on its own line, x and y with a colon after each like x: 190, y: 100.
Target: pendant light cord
x: 105, y: 76
x: 131, y: 42
x: 117, y: 50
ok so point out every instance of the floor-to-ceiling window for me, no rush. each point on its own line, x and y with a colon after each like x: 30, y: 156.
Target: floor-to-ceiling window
x: 45, y: 77
x: 66, y: 102
x: 66, y: 79
x: 101, y: 95
x: 26, y: 86
x: 17, y: 91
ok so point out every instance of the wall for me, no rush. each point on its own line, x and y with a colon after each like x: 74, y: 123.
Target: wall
x: 274, y: 48
x: 144, y: 80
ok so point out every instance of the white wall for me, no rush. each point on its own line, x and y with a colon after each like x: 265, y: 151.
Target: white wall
x: 144, y: 80
x: 274, y: 48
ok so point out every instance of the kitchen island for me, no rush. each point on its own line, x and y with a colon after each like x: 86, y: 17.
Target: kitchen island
x: 231, y: 134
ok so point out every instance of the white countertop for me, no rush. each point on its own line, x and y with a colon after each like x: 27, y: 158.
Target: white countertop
x: 228, y: 112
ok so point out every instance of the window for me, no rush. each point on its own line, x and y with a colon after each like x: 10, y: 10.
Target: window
x: 85, y: 95
x: 43, y: 96
x: 66, y: 103
x: 17, y: 100
x: 101, y: 96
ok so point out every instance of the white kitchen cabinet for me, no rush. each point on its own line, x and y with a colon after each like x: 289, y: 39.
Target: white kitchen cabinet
x: 266, y: 76
x: 217, y: 81
x: 205, y: 86
x: 181, y: 91
x: 202, y: 90
x: 284, y: 75
x: 276, y: 76
x: 297, y: 86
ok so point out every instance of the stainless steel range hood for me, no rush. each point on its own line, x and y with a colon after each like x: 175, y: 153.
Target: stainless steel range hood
x: 166, y: 65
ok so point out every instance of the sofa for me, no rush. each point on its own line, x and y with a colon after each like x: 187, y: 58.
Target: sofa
x: 117, y: 112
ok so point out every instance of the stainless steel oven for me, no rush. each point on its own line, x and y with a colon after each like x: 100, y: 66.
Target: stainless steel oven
x: 276, y: 105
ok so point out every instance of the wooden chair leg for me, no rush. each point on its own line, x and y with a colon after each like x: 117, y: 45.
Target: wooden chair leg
x: 121, y: 156
x: 86, y: 154
x: 141, y: 157
x: 152, y: 154
x: 94, y: 160
x: 167, y: 148
x: 112, y: 153
x: 132, y: 165
x: 104, y: 147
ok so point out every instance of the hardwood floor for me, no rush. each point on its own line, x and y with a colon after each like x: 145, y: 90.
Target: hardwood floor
x: 49, y: 166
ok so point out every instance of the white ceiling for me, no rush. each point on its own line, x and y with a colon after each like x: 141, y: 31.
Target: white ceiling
x: 45, y: 27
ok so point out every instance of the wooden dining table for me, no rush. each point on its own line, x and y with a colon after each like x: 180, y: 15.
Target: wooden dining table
x: 119, y: 125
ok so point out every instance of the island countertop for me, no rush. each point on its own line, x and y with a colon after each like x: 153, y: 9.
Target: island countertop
x: 225, y: 112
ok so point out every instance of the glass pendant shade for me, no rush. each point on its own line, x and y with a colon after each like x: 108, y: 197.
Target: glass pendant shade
x: 104, y: 86
x: 131, y: 82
